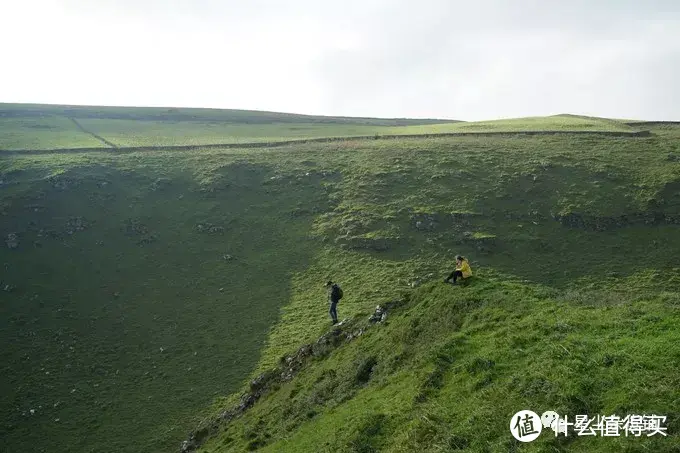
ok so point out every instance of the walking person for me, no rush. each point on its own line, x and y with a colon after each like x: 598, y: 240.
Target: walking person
x: 334, y: 296
x: 461, y: 271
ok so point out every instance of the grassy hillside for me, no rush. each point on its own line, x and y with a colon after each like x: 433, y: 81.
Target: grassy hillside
x: 39, y: 127
x: 146, y: 286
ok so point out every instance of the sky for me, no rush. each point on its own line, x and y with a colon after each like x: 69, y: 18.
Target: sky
x: 466, y: 60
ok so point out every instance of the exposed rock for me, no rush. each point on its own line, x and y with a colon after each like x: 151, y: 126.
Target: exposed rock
x: 76, y: 224
x: 134, y: 227
x: 36, y: 207
x: 380, y: 315
x: 12, y: 241
x: 209, y: 228
x: 50, y: 234
x: 425, y: 222
x: 147, y: 239
x: 160, y: 184
x: 63, y: 182
x: 604, y: 223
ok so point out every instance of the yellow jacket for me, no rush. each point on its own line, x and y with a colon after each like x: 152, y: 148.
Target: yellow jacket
x: 464, y: 267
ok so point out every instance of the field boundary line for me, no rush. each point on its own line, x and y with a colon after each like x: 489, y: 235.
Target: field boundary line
x: 98, y: 137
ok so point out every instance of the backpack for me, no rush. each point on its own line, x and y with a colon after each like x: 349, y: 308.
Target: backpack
x: 338, y: 291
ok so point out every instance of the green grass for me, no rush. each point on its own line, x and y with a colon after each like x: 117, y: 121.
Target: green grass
x: 93, y: 308
x: 164, y: 133
x: 40, y: 133
x: 33, y: 127
x: 452, y: 366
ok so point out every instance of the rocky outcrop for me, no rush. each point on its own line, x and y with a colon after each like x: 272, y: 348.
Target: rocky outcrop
x: 605, y: 223
x: 209, y: 228
x: 433, y: 221
x: 63, y: 182
x: 74, y: 224
x: 12, y: 241
x: 366, y: 243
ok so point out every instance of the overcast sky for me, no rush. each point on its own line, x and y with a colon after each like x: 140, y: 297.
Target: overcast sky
x: 453, y: 59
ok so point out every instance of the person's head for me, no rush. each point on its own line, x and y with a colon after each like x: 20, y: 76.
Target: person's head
x: 329, y: 283
x: 459, y: 259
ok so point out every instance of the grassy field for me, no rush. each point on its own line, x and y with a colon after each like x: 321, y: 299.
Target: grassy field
x: 42, y: 128
x: 147, y: 287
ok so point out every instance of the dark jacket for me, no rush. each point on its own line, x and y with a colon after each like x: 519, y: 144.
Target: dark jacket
x: 334, y: 295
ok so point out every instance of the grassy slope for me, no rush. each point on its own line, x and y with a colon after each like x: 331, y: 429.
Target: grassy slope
x: 294, y: 217
x: 453, y: 365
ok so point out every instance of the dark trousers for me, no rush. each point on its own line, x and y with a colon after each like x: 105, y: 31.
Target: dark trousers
x: 334, y: 312
x: 454, y: 275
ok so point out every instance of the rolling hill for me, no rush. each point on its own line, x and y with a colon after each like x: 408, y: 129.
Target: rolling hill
x: 148, y: 288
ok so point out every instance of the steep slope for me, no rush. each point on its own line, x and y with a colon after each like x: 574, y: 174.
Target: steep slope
x: 449, y: 366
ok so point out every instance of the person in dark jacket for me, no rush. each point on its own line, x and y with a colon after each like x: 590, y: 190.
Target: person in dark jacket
x: 334, y: 296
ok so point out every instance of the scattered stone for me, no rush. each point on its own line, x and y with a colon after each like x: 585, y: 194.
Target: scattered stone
x: 76, y: 224
x: 12, y: 241
x: 62, y: 182
x: 425, y: 222
x: 160, y: 184
x: 50, y: 234
x: 209, y: 228
x: 148, y: 239
x: 379, y: 316
x: 135, y: 227
x: 36, y: 208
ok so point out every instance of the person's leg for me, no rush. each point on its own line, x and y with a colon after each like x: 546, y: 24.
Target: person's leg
x: 333, y: 312
x: 450, y: 276
x: 456, y: 275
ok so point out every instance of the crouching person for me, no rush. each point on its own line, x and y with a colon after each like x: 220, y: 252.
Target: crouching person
x: 462, y: 270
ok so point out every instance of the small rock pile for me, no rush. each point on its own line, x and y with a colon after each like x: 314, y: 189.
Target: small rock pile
x: 75, y: 224
x: 12, y: 241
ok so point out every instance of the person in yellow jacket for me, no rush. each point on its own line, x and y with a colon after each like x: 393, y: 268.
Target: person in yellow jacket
x: 462, y: 270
